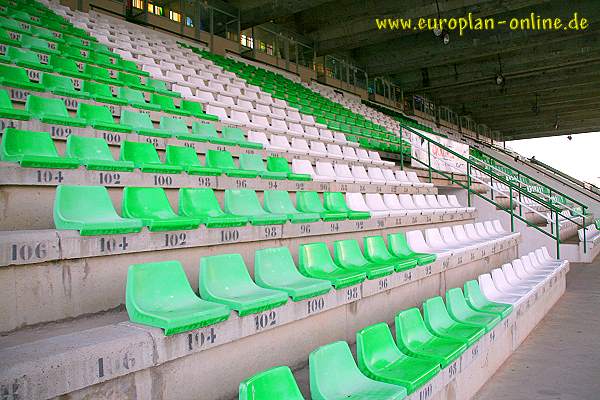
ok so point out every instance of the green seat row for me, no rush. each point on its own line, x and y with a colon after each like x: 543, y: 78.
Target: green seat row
x: 90, y: 210
x: 388, y: 368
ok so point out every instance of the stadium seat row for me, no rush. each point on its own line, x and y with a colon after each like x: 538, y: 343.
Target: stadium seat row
x: 425, y: 342
x: 158, y: 294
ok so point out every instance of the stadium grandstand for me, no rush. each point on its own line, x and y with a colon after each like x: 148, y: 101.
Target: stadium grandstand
x: 286, y: 200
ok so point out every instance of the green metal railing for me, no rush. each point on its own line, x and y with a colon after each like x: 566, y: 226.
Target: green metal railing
x: 513, y: 190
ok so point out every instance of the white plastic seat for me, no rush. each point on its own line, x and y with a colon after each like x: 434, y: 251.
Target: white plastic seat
x: 281, y: 142
x: 295, y: 129
x: 482, y: 232
x: 431, y: 200
x: 360, y: 174
x: 376, y: 159
x: 502, y: 284
x: 390, y: 178
x: 435, y: 241
x: 408, y: 204
x: 491, y: 292
x: 451, y: 240
x: 412, y: 177
x: 401, y: 177
x: 311, y: 132
x: 260, y: 137
x: 392, y: 203
x: 294, y: 116
x: 279, y: 113
x: 326, y: 169
x: 305, y: 167
x: 326, y: 135
x: 453, y: 200
x: 514, y: 280
x: 422, y: 204
x: 259, y: 122
x: 473, y: 235
x: 308, y: 120
x: 349, y: 153
x: 376, y: 176
x: 343, y: 171
x: 278, y: 126
x: 240, y: 117
x: 417, y: 242
x: 445, y: 204
x: 301, y: 146
x: 523, y: 274
x: 375, y: 203
x: 334, y: 151
x: 357, y: 202
x: 363, y: 156
x: 318, y: 149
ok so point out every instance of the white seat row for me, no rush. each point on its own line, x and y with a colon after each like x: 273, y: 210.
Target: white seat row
x: 458, y: 238
x: 517, y: 281
x: 393, y: 205
x: 592, y: 234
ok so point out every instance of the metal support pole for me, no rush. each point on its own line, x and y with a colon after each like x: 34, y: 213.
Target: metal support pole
x: 557, y: 237
x: 429, y: 159
x: 512, y: 213
x: 469, y: 184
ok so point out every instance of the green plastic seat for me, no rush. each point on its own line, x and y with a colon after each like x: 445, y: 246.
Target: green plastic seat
x: 132, y: 81
x: 100, y: 117
x: 237, y: 136
x: 478, y: 302
x: 37, y: 44
x: 95, y: 154
x: 347, y: 254
x: 208, y: 132
x: 90, y: 210
x: 223, y: 161
x: 335, y: 376
x: 101, y: 92
x: 51, y: 111
x: 6, y: 39
x: 159, y: 294
x: 399, y: 247
x: 311, y: 203
x: 151, y: 205
x: 279, y: 202
x: 25, y: 58
x: 17, y: 77
x: 202, y: 204
x: 254, y: 162
x: 196, y: 109
x: 187, y: 158
x: 32, y: 149
x: 74, y: 53
x: 225, y: 279
x: 161, y: 87
x: 174, y: 126
x: 136, y: 99
x: 376, y: 251
x: 100, y: 74
x: 379, y: 358
x: 7, y: 110
x: 275, y: 383
x: 335, y: 201
x: 244, y: 202
x: 274, y: 268
x: 460, y: 311
x: 144, y: 156
x: 439, y: 322
x: 142, y: 124
x: 61, y: 86
x: 281, y: 166
x: 167, y: 105
x: 413, y: 338
x: 67, y: 67
x: 314, y: 260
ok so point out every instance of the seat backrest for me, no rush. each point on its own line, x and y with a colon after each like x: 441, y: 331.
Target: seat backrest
x: 139, y: 201
x: 315, y: 257
x: 309, y: 202
x: 391, y: 201
x: 278, y: 202
x: 173, y: 125
x: 252, y: 162
x: 181, y: 155
x: 68, y: 200
x: 224, y: 275
x: 356, y: 202
x: 17, y: 143
x: 94, y: 113
x: 347, y: 252
x: 242, y: 202
x: 205, y: 130
x: 325, y: 168
x: 42, y: 106
x: 435, y: 315
x: 198, y: 202
x: 233, y: 134
x: 333, y: 370
x: 375, y: 347
x: 274, y: 383
x: 139, y: 153
x: 280, y: 141
x: 375, y: 202
x: 410, y: 329
x: 137, y: 120
x: 278, y: 164
x: 88, y: 148
x: 219, y: 159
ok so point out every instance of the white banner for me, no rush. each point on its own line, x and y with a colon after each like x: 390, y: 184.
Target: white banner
x: 440, y: 159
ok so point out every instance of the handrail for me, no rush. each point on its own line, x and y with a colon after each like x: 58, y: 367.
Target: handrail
x: 555, y: 211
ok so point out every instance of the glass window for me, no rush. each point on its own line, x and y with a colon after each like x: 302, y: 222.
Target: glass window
x: 247, y: 41
x: 269, y: 49
x: 175, y: 16
x: 154, y: 9
x: 139, y: 4
x: 189, y: 21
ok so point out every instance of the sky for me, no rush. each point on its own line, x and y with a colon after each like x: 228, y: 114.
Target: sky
x: 579, y: 157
